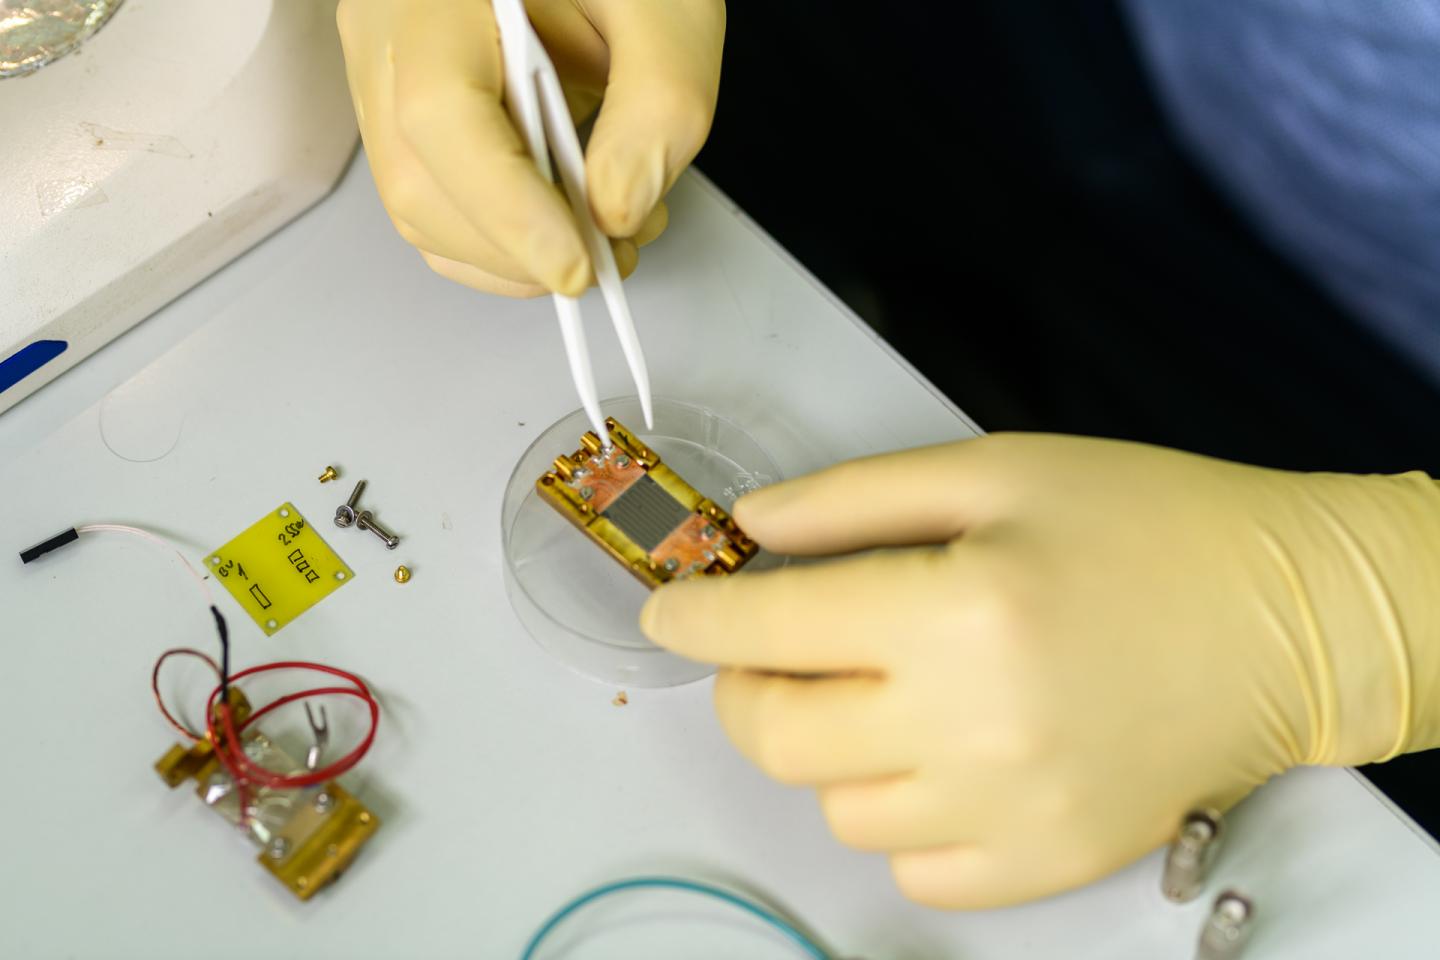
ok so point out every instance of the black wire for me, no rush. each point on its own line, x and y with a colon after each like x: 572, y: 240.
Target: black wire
x: 224, y: 655
x: 71, y: 535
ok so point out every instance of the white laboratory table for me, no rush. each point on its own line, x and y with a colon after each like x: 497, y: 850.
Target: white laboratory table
x: 506, y: 782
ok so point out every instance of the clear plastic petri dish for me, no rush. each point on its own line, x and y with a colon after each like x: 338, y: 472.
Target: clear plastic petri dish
x: 34, y: 33
x: 570, y: 595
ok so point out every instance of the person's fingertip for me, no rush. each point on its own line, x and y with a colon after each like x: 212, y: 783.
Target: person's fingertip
x: 574, y: 279
x: 627, y: 256
x: 755, y: 511
x: 625, y: 187
x: 959, y: 877
x: 478, y: 279
x: 650, y: 617
x: 667, y: 617
x: 569, y: 275
x: 655, y: 223
x: 549, y: 247
x: 623, y: 216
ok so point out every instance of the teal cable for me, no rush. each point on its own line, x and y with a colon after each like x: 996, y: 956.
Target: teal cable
x: 810, y: 947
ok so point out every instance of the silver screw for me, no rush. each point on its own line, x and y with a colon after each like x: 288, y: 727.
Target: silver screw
x: 586, y: 493
x: 622, y: 461
x: 672, y: 565
x: 323, y: 801
x: 345, y: 513
x: 1191, y: 854
x: 365, y: 521
x: 277, y: 848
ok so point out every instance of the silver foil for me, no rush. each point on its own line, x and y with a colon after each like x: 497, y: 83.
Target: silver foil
x: 36, y: 32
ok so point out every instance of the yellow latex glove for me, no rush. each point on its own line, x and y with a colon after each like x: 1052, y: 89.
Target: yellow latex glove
x: 427, y: 80
x: 1068, y: 644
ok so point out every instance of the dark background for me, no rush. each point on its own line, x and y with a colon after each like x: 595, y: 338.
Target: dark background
x: 996, y: 191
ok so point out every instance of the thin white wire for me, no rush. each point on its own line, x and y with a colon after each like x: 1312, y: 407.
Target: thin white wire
x: 155, y: 539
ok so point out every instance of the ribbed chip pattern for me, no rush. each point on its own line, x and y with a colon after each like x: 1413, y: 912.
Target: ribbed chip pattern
x: 646, y: 513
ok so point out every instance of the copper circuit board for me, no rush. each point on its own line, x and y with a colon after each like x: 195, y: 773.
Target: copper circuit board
x: 643, y: 513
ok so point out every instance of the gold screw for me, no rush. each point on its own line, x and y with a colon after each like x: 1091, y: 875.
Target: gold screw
x: 328, y: 475
x: 402, y: 574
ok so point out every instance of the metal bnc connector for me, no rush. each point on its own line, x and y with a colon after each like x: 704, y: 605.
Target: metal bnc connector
x: 1227, y: 928
x: 1187, y: 863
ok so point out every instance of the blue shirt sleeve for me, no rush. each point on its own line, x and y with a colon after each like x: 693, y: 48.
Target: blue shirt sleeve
x: 1321, y: 120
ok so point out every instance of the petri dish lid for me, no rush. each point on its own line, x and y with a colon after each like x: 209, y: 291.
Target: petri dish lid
x: 574, y: 599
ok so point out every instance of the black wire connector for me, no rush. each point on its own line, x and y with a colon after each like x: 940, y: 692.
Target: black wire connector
x: 224, y: 655
x: 71, y: 535
x: 54, y: 543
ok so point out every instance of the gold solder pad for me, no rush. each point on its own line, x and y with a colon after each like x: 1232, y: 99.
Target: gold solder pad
x: 643, y: 513
x: 278, y: 568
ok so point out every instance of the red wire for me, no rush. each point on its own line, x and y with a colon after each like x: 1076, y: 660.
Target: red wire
x: 232, y: 755
x: 155, y: 686
x: 230, y: 752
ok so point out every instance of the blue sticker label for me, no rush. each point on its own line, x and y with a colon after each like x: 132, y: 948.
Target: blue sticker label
x: 27, y: 360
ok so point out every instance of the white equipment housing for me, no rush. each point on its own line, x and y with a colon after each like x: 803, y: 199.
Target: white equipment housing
x: 177, y: 137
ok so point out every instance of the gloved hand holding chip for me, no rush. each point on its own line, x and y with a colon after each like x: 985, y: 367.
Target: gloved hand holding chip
x: 1058, y: 646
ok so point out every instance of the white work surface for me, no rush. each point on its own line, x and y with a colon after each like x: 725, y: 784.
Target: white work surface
x: 506, y: 783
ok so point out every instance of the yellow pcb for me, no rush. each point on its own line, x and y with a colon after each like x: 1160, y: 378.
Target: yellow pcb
x: 278, y: 568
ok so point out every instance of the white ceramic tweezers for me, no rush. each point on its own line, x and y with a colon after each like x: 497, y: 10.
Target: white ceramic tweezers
x: 537, y: 104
